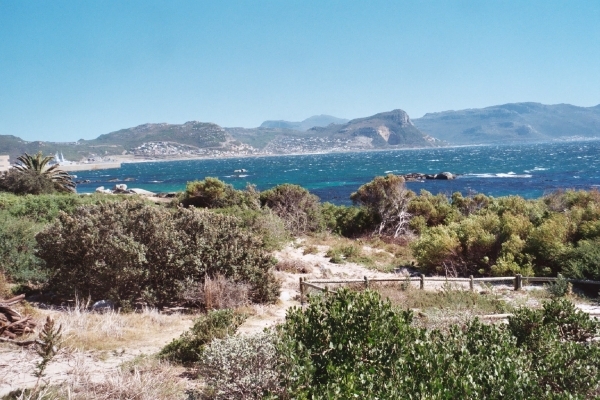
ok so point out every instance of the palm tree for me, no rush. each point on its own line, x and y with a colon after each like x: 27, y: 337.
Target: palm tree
x: 38, y: 164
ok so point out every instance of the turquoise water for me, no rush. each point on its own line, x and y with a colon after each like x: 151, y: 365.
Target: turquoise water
x: 527, y: 170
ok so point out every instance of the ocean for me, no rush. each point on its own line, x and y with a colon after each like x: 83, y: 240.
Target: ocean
x: 527, y: 170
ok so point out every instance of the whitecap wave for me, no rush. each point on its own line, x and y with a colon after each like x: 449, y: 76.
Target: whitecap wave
x: 500, y: 175
x: 540, y: 169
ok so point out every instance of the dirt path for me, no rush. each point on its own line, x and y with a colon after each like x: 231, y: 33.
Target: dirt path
x: 321, y: 268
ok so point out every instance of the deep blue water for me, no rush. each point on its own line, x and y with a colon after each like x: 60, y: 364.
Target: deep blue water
x: 528, y: 170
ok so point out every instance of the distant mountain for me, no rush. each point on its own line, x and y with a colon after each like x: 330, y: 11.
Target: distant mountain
x: 193, y: 137
x: 515, y: 122
x: 315, y: 120
x: 193, y: 133
x: 392, y: 128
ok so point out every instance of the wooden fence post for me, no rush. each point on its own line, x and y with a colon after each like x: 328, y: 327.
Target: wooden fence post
x: 366, y: 282
x: 471, y: 283
x: 422, y: 286
x: 301, y: 291
x: 518, y: 282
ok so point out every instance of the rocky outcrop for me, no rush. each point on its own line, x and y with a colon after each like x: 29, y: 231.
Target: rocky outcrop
x: 419, y: 177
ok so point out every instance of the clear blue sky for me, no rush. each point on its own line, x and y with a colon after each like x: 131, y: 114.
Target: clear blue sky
x: 78, y: 69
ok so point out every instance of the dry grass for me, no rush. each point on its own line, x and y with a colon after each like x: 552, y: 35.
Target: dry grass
x: 143, y: 379
x: 111, y: 330
x: 4, y: 287
x: 218, y: 293
x: 442, y: 308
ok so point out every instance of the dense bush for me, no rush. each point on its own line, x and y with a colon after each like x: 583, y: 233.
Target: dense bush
x: 583, y: 262
x: 297, y: 207
x: 129, y: 250
x: 354, y: 345
x: 189, y: 346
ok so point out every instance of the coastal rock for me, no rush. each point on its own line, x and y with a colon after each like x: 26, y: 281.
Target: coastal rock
x: 103, y: 305
x: 101, y: 189
x: 445, y: 176
x: 420, y: 177
x: 120, y: 187
x: 142, y: 192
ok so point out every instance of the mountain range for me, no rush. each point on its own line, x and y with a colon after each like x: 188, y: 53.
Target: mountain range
x: 515, y: 122
x: 315, y: 120
x: 508, y: 123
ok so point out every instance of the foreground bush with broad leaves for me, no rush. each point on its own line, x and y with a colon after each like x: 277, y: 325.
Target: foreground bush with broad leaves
x: 354, y: 345
x: 130, y: 250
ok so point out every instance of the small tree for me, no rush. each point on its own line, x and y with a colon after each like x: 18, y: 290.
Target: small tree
x: 387, y: 198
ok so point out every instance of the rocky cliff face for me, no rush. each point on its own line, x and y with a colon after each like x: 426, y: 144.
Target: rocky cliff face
x: 392, y: 128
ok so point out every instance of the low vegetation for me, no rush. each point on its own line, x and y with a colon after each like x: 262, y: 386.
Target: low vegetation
x: 213, y: 325
x: 355, y: 345
x: 211, y: 249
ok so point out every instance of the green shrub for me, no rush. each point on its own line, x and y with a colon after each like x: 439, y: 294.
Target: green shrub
x: 297, y: 207
x: 127, y: 250
x: 436, y: 246
x: 354, y: 345
x: 348, y: 221
x: 556, y: 340
x: 435, y: 210
x: 263, y: 223
x: 560, y: 288
x: 214, y: 193
x: 189, y: 346
x: 17, y: 249
x: 46, y: 208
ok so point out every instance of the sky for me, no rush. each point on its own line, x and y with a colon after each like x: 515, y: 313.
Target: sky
x: 77, y: 69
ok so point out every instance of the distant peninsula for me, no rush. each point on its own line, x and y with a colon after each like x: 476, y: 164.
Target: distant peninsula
x: 508, y: 123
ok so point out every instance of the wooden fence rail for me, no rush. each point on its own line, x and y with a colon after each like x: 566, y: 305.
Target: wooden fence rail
x: 517, y: 281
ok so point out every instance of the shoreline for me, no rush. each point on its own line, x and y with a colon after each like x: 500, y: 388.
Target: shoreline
x: 131, y: 160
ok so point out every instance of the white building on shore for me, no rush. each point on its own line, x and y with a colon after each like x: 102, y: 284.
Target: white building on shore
x: 4, y: 163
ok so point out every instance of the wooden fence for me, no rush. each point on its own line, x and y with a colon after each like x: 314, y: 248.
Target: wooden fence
x: 321, y: 284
